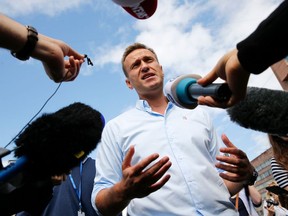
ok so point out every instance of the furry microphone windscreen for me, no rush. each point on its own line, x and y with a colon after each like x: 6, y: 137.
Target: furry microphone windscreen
x: 54, y: 143
x: 263, y: 110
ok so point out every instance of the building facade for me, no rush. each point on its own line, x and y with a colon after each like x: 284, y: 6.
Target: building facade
x: 262, y: 163
x: 280, y: 70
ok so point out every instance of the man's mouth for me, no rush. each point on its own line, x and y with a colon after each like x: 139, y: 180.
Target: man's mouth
x: 148, y: 75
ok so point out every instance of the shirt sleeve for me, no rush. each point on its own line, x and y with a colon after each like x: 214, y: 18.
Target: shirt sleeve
x: 108, y: 162
x: 268, y: 44
x: 279, y: 173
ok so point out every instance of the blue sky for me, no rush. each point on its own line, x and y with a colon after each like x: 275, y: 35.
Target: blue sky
x: 188, y: 36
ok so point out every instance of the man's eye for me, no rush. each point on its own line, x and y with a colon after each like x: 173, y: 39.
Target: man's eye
x: 134, y: 66
x: 148, y: 60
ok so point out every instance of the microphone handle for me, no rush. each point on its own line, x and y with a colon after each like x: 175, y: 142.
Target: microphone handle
x: 218, y: 91
x: 13, y: 169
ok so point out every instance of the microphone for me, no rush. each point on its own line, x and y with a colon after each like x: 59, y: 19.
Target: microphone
x: 55, y: 143
x: 184, y: 91
x: 140, y: 9
x: 51, y: 145
x: 263, y: 110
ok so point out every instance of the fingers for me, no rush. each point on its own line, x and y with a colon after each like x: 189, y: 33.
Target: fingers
x: 211, y: 102
x: 157, y: 170
x: 152, y: 179
x: 209, y: 78
x: 72, y: 68
x: 233, y: 177
x: 159, y: 184
x: 219, y: 71
x: 66, y: 49
x: 138, y: 168
x: 236, y: 169
x: 234, y: 161
x: 146, y: 176
x: 75, y: 54
x: 127, y: 160
x: 158, y: 176
x: 226, y: 141
x: 232, y: 154
x: 229, y: 69
x: 52, y: 53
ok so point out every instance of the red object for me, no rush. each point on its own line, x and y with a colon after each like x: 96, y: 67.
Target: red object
x: 143, y: 10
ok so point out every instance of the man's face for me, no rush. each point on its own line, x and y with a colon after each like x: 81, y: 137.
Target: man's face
x: 144, y: 73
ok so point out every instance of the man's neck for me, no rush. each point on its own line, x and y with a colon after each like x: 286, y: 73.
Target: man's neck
x: 158, y: 104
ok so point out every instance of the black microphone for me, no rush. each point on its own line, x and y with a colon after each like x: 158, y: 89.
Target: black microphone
x: 55, y: 143
x: 262, y: 110
x: 51, y: 145
x: 184, y: 91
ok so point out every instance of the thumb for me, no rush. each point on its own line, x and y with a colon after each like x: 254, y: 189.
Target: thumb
x: 209, y: 78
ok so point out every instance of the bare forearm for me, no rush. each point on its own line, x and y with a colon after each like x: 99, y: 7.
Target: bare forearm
x: 13, y: 35
x: 255, y: 195
x: 110, y: 201
x: 233, y: 187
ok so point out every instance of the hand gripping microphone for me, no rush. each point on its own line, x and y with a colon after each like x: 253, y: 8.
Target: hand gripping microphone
x: 184, y: 91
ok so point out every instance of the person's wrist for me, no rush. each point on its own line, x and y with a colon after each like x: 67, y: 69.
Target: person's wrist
x: 253, y: 177
x: 25, y: 52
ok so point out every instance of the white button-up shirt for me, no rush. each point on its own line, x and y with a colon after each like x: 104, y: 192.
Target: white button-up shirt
x: 187, y: 137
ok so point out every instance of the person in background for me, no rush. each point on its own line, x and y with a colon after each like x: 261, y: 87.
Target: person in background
x: 267, y: 45
x: 25, y: 42
x: 268, y: 116
x: 159, y: 159
x: 279, y: 166
x: 247, y: 200
x: 280, y: 173
x: 279, y: 145
x: 73, y: 196
x: 272, y: 204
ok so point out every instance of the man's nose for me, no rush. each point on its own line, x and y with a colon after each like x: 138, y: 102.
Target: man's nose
x: 144, y: 67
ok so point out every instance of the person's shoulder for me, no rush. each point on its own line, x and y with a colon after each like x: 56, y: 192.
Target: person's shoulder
x: 124, y: 117
x: 89, y: 159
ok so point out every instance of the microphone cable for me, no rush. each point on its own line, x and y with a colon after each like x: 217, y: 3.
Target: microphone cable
x: 89, y: 62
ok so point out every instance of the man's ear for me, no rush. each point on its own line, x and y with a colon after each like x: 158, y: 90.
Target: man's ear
x: 128, y: 83
x: 162, y: 71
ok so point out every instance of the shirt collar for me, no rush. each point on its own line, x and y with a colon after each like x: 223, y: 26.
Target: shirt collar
x: 144, y: 106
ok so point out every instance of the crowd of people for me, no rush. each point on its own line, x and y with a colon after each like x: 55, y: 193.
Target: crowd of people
x: 157, y: 158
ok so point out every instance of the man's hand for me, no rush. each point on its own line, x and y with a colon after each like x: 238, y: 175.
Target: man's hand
x: 138, y: 181
x: 235, y: 162
x: 141, y: 179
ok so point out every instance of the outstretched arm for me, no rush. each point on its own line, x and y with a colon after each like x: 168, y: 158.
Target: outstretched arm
x: 265, y: 46
x: 51, y: 52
